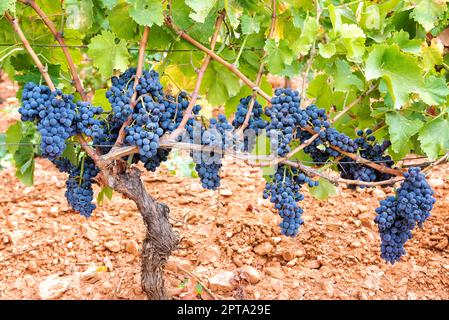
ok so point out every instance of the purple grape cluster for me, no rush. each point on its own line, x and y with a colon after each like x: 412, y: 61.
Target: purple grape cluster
x: 398, y: 215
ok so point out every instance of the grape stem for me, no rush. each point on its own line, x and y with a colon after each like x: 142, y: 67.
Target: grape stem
x: 259, y: 73
x: 140, y: 62
x: 199, y: 79
x: 59, y: 37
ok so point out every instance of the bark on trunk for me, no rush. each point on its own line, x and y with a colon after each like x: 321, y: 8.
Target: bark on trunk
x: 160, y: 239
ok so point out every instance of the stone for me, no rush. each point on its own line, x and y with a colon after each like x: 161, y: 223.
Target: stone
x: 379, y: 194
x: 284, y: 295
x: 277, y: 285
x: 313, y: 264
x: 89, y: 233
x: 443, y: 243
x: 362, y: 208
x: 211, y: 254
x: 263, y: 248
x: 90, y: 275
x: 132, y: 247
x: 113, y: 246
x: 53, y: 287
x: 288, y: 254
x: 108, y: 264
x: 226, y: 192
x: 251, y: 274
x: 366, y: 219
x: 222, y: 281
x: 173, y: 263
x: 275, y: 272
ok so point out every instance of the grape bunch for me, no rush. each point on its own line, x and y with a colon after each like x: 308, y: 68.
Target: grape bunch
x: 85, y: 120
x: 370, y: 150
x: 398, y: 215
x: 119, y: 95
x: 255, y: 124
x: 285, y: 114
x: 284, y: 191
x: 55, y: 115
x: 79, y: 191
x: 208, y: 162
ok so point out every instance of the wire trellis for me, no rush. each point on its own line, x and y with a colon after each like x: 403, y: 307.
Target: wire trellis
x: 50, y: 45
x: 302, y: 161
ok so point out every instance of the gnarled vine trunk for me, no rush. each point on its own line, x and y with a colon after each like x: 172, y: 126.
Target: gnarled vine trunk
x: 160, y: 239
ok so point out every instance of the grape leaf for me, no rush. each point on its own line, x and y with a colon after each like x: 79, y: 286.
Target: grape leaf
x: 344, y: 79
x: 434, y: 138
x: 324, y: 190
x: 116, y: 17
x: 327, y: 50
x: 278, y: 55
x: 24, y: 161
x: 109, y: 3
x: 427, y: 12
x: 13, y: 137
x: 105, y: 192
x: 108, y: 55
x: 432, y: 55
x: 79, y: 14
x: 146, y: 12
x: 434, y: 91
x: 250, y: 25
x: 308, y: 36
x: 9, y: 5
x: 100, y: 100
x: 220, y: 84
x: 401, y: 129
x: 320, y: 89
x: 201, y: 8
x: 400, y: 71
x: 401, y: 38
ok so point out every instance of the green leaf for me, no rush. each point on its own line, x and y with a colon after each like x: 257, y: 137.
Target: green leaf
x: 434, y: 91
x: 401, y: 38
x: 13, y: 137
x: 9, y: 5
x: 146, y: 12
x: 327, y: 50
x: 427, y: 12
x: 108, y: 55
x: 434, y: 138
x: 105, y: 192
x: 399, y: 70
x: 100, y: 100
x: 109, y: 3
x: 116, y: 17
x: 24, y: 161
x: 308, y: 36
x: 278, y: 55
x: 250, y: 25
x: 70, y: 154
x: 432, y: 55
x: 353, y: 39
x: 344, y: 79
x: 324, y: 190
x: 320, y: 89
x: 79, y: 14
x: 401, y: 129
x: 201, y: 8
x: 220, y: 84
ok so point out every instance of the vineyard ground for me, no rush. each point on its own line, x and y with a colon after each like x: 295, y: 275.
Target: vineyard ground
x: 47, y: 250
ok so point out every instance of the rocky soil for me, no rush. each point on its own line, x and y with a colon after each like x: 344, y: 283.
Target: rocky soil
x: 230, y: 246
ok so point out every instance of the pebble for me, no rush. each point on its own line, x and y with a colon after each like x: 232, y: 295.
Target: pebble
x: 132, y: 247
x: 113, y: 246
x: 222, y: 281
x: 53, y: 287
x: 263, y: 249
x: 251, y: 274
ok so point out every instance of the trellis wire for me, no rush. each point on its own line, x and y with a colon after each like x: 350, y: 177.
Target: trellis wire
x: 49, y: 45
x: 302, y: 161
